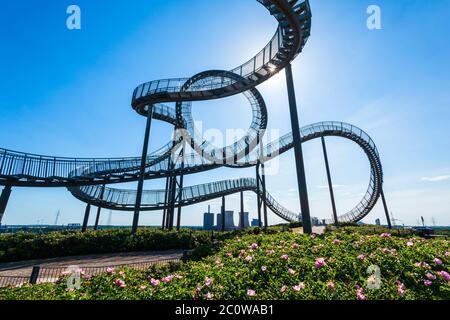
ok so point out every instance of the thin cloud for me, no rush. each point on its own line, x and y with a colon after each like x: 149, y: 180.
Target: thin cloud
x: 436, y: 179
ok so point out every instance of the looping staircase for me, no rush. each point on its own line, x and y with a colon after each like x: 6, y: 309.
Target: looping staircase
x: 86, y: 178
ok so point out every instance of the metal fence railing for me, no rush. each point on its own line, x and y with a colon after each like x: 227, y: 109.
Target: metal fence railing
x: 12, y: 281
x: 41, y: 274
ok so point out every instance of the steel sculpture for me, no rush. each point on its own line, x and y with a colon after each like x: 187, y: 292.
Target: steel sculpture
x: 89, y: 179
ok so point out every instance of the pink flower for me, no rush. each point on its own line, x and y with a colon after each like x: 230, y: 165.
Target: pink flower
x: 385, y: 235
x: 143, y: 288
x: 248, y: 258
x: 208, y: 281
x: 438, y: 261
x: 283, y: 289
x: 410, y: 243
x: 198, y: 288
x: 228, y: 254
x: 241, y: 253
x: 109, y: 270
x: 264, y: 268
x: 430, y: 276
x: 120, y: 283
x: 251, y: 293
x: 285, y: 257
x: 167, y: 279
x: 209, y: 296
x: 361, y: 257
x: 401, y: 289
x: 154, y: 282
x: 447, y: 254
x: 87, y: 277
x: 254, y: 246
x: 295, y: 246
x: 427, y: 283
x: 444, y: 275
x: 360, y: 294
x: 331, y: 286
x: 336, y: 241
x: 299, y: 287
x: 291, y: 272
x: 320, y: 262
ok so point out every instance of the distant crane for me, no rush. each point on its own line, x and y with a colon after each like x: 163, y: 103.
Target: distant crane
x: 392, y: 218
x: 57, y: 217
x: 433, y: 221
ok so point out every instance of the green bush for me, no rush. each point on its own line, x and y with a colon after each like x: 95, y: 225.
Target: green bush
x: 282, y: 266
x: 294, y: 225
x: 25, y: 246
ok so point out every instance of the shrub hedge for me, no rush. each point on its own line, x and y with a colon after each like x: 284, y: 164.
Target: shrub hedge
x: 26, y: 246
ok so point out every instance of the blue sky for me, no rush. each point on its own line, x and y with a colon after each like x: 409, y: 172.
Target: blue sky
x: 67, y: 93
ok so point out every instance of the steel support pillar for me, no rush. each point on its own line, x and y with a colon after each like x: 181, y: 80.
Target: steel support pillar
x: 330, y: 184
x: 4, y: 198
x: 180, y: 198
x: 263, y: 183
x: 137, y: 207
x: 173, y: 191
x: 301, y: 177
x: 99, y: 209
x: 223, y: 214
x: 180, y: 190
x: 163, y: 225
x: 97, y: 218
x: 386, y: 211
x: 258, y: 195
x: 86, y: 218
x: 241, y: 216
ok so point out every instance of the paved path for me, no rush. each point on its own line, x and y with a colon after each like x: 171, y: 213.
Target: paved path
x: 316, y: 230
x: 23, y: 268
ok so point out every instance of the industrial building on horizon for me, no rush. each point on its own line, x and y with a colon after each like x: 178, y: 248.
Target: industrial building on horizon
x: 208, y: 221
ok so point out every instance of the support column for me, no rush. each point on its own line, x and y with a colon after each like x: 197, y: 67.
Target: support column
x: 173, y: 191
x: 258, y: 195
x: 263, y: 180
x: 86, y: 218
x: 241, y: 217
x: 99, y: 209
x: 163, y: 225
x: 386, y: 211
x: 137, y: 207
x: 180, y: 190
x: 97, y: 218
x: 4, y: 201
x: 223, y: 214
x: 330, y: 184
x: 180, y: 197
x: 301, y: 177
